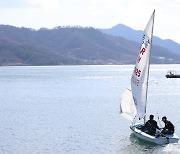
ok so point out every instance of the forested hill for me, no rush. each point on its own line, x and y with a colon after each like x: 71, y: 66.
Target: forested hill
x: 71, y: 46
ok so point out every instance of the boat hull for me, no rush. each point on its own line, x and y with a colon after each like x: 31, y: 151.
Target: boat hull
x: 157, y: 140
x: 172, y: 76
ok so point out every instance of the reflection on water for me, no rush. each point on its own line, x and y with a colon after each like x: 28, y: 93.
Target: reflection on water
x: 147, y: 145
x: 139, y: 146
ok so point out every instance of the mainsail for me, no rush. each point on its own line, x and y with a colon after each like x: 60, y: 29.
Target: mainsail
x: 139, y: 79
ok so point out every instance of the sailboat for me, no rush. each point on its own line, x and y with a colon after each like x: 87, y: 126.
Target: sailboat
x: 134, y: 99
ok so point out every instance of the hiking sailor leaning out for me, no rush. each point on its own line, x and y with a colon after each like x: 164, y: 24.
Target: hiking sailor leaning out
x: 169, y: 127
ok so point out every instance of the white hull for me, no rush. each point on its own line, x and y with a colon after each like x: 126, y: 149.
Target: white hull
x: 157, y: 140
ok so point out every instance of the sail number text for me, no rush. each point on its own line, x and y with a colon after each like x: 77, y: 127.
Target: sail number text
x: 135, y: 80
x: 137, y: 72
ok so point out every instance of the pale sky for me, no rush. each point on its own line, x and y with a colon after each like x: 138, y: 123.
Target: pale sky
x: 94, y: 13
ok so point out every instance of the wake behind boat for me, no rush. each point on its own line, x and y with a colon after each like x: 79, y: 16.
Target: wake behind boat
x: 134, y: 99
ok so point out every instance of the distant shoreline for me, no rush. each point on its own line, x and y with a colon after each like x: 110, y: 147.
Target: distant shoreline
x: 83, y: 65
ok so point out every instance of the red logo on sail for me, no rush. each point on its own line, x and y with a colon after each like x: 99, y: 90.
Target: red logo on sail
x: 142, y: 51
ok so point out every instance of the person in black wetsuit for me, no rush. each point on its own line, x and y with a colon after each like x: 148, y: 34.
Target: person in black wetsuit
x: 169, y: 127
x: 151, y: 126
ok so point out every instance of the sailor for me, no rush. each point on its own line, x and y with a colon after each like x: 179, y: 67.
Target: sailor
x: 169, y: 127
x: 151, y: 126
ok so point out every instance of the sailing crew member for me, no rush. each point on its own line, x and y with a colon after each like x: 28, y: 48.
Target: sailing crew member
x: 169, y: 127
x: 151, y: 126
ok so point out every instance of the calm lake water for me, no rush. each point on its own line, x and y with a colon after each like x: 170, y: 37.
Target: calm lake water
x: 75, y: 109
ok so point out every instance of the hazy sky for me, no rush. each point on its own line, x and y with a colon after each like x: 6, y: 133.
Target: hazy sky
x: 94, y: 13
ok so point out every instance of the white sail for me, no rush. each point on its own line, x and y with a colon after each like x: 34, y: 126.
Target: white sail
x: 127, y: 107
x: 139, y: 79
x: 134, y: 99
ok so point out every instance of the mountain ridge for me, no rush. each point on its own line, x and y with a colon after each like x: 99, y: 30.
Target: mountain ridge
x: 136, y: 35
x: 71, y: 46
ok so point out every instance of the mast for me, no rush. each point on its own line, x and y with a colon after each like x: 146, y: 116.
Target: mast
x: 149, y: 65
